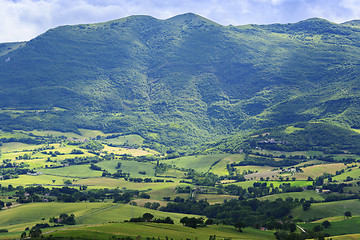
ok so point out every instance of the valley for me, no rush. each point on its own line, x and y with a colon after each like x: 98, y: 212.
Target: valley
x: 115, y: 178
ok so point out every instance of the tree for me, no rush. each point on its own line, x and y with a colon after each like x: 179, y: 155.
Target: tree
x: 35, y: 232
x: 155, y: 205
x: 147, y: 217
x: 67, y: 182
x: 184, y: 220
x: 292, y: 227
x: 347, y: 214
x: 192, y: 222
x: 326, y: 224
x: 317, y: 228
x: 239, y: 225
x: 306, y: 206
x: 23, y: 235
x: 8, y: 204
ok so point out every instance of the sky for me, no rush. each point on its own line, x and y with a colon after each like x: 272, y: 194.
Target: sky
x: 22, y: 20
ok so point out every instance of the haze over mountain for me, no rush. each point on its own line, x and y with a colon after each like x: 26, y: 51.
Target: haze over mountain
x: 182, y: 80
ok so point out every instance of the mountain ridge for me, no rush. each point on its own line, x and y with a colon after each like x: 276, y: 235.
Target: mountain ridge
x: 183, y: 80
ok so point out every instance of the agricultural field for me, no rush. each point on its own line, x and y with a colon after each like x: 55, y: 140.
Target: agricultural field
x: 215, y: 198
x: 198, y: 163
x: 128, y: 140
x: 258, y: 172
x: 352, y: 173
x: 53, y: 165
x: 161, y: 231
x: 131, y: 167
x: 345, y: 226
x: 17, y: 147
x: 346, y: 237
x: 327, y: 209
x: 318, y: 170
x: 17, y: 218
x: 307, y: 195
x: 76, y: 171
x: 295, y: 183
x: 244, y: 184
x: 121, y: 183
x: 128, y: 151
x: 42, y: 179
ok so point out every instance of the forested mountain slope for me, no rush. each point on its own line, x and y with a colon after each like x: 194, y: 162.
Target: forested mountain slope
x: 182, y: 80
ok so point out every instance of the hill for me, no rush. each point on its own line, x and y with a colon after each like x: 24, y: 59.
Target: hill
x: 303, y: 136
x: 182, y: 80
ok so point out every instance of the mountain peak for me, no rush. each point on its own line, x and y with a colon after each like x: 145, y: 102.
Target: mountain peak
x: 190, y: 17
x: 354, y: 23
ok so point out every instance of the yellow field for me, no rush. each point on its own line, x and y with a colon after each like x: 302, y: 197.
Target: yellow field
x: 121, y: 183
x: 356, y: 130
x: 215, y: 198
x: 16, y: 146
x: 141, y: 202
x: 262, y: 171
x: 26, y: 180
x: 220, y: 168
x: 134, y: 152
x: 318, y: 170
x: 345, y: 237
x: 85, y: 133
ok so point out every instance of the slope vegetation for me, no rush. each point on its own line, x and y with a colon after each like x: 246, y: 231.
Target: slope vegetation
x: 182, y: 80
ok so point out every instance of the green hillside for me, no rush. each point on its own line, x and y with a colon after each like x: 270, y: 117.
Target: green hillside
x: 183, y: 80
x: 316, y: 136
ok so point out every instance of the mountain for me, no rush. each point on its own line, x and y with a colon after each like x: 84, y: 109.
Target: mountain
x: 182, y: 80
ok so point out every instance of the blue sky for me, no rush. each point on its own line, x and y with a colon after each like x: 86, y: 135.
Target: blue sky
x: 22, y: 20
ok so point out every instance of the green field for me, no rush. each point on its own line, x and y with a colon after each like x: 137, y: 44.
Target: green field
x: 161, y: 231
x: 215, y: 198
x: 346, y: 237
x: 131, y: 167
x: 296, y: 183
x: 220, y: 167
x: 75, y: 171
x: 327, y: 209
x: 347, y: 226
x: 354, y: 173
x: 102, y: 182
x: 17, y: 218
x: 127, y: 139
x: 318, y: 170
x: 200, y: 163
x: 17, y: 146
x: 129, y: 151
x: 244, y: 184
x: 44, y: 179
x: 292, y: 129
x: 305, y: 194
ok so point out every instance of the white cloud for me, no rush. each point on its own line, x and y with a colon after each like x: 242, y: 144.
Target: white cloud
x: 24, y: 19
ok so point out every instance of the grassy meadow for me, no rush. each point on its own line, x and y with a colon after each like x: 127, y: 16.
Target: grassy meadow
x: 318, y: 170
x: 161, y: 231
x: 102, y: 220
x: 345, y: 226
x: 131, y: 167
x: 299, y: 195
x: 202, y: 163
x: 327, y: 209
